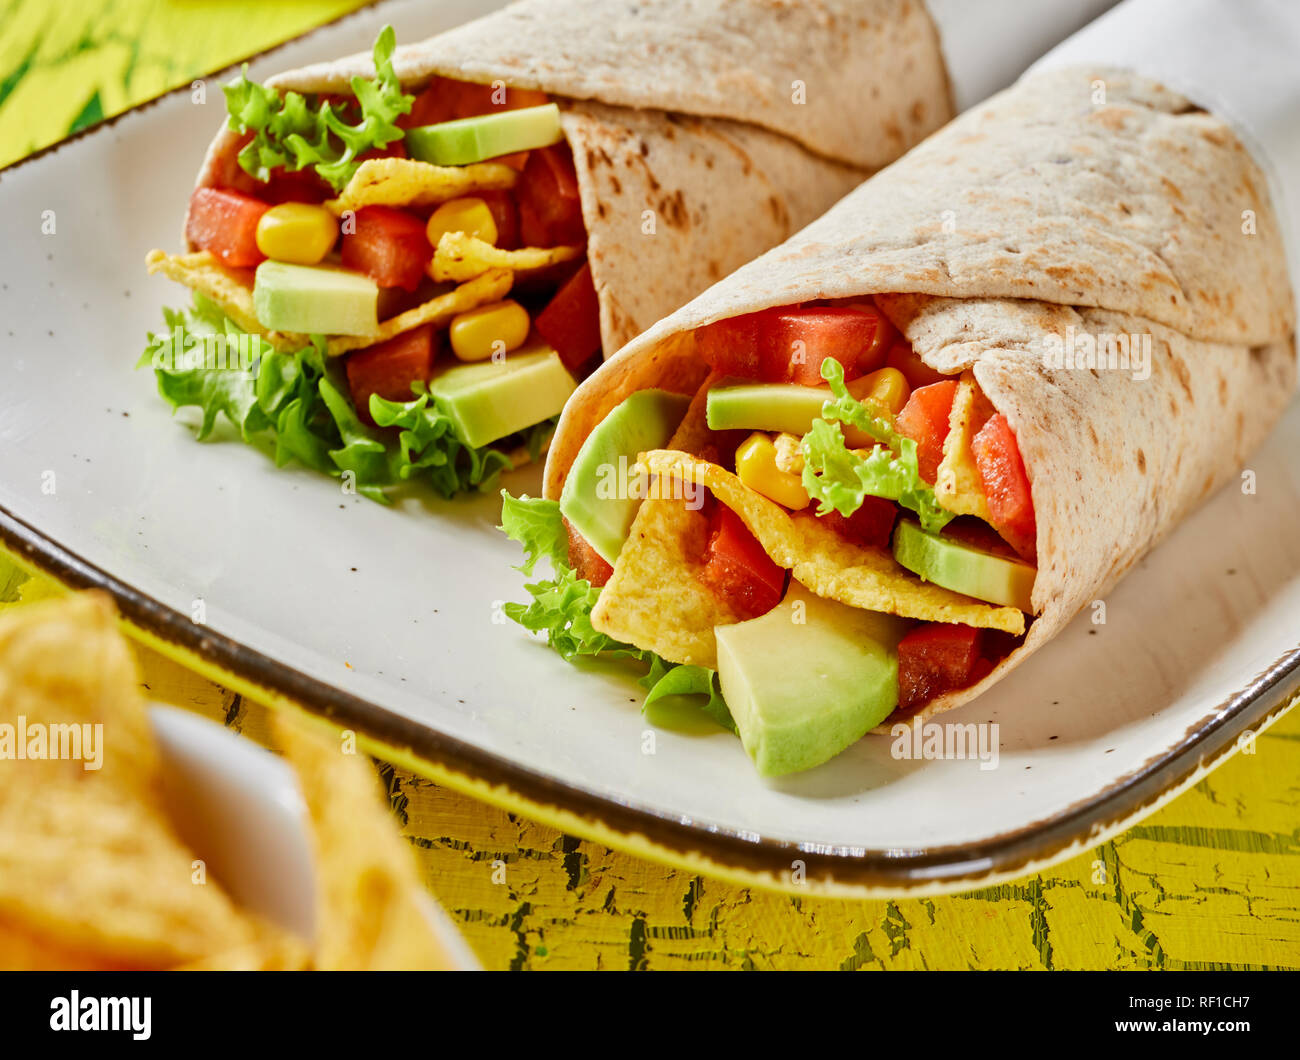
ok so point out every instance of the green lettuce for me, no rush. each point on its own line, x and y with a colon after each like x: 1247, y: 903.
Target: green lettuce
x: 296, y: 131
x: 839, y: 478
x: 295, y: 406
x: 561, y: 608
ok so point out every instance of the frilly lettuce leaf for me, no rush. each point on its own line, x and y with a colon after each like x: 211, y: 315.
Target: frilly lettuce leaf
x: 839, y: 478
x: 295, y: 132
x: 561, y: 608
x: 295, y: 406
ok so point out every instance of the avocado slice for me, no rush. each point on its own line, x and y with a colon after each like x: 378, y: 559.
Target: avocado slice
x: 467, y: 140
x: 963, y: 568
x: 592, y: 499
x: 489, y: 400
x: 786, y: 407
x: 801, y: 692
x: 315, y: 299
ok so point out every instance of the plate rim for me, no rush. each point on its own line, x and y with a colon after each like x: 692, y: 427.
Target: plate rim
x: 675, y: 840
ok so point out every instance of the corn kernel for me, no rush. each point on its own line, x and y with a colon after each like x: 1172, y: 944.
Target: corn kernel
x: 297, y: 232
x: 488, y: 330
x: 468, y: 215
x: 886, y: 388
x: 756, y: 467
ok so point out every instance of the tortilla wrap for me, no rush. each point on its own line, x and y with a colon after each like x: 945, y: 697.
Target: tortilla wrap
x: 727, y: 126
x: 1039, y: 211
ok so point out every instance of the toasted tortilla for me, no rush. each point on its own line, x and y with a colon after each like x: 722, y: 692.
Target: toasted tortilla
x: 1120, y: 219
x: 702, y: 134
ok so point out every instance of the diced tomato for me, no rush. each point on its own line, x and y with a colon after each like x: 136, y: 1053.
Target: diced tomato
x: 224, y: 222
x: 788, y: 345
x: 586, y: 562
x: 935, y: 658
x: 871, y: 525
x: 395, y: 149
x: 915, y: 371
x: 505, y: 214
x: 571, y: 320
x: 390, y: 368
x: 389, y: 246
x: 448, y: 100
x: 301, y: 185
x: 1006, y: 485
x: 978, y: 534
x: 924, y: 419
x: 737, y: 568
x: 550, y: 212
x: 517, y: 161
x: 733, y: 347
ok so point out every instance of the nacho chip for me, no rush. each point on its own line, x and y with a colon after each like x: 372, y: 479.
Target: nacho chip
x: 369, y: 895
x: 653, y: 599
x: 827, y: 563
x: 957, y: 484
x: 231, y: 289
x: 491, y: 286
x: 461, y: 257
x: 407, y: 182
x: 92, y: 872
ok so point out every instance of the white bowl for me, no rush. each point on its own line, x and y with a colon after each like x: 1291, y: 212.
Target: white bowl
x: 239, y: 807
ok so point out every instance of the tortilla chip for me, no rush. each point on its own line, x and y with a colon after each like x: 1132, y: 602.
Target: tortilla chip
x: 91, y: 870
x: 653, y: 599
x: 407, y: 182
x: 827, y: 563
x: 369, y: 895
x: 231, y: 289
x: 461, y: 257
x: 957, y: 484
x: 490, y: 287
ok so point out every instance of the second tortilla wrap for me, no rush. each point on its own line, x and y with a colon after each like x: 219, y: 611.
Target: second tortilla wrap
x: 1045, y: 209
x: 695, y: 145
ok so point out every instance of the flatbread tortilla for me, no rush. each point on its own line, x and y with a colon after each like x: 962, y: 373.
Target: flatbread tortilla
x: 1039, y: 212
x: 703, y: 133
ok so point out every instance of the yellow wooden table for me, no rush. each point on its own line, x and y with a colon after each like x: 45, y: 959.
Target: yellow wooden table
x: 1211, y: 881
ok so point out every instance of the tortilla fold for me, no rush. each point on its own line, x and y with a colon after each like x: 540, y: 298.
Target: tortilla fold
x: 1039, y: 216
x: 702, y: 134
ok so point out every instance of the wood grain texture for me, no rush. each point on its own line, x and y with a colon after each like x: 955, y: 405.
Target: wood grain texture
x: 1211, y: 881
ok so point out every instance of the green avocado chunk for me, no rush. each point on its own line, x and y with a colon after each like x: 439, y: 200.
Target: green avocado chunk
x: 487, y: 401
x: 786, y: 407
x: 807, y: 679
x: 963, y: 568
x: 597, y: 498
x: 315, y: 299
x: 468, y: 140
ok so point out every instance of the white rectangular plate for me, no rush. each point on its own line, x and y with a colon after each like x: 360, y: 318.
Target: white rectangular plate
x: 388, y: 619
